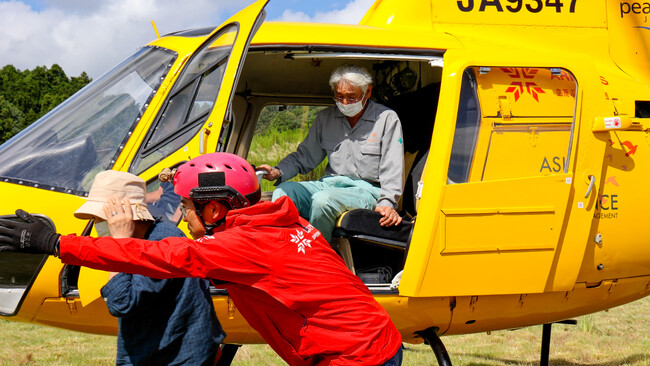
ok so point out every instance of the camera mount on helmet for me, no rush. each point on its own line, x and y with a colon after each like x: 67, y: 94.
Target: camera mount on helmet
x: 212, y: 187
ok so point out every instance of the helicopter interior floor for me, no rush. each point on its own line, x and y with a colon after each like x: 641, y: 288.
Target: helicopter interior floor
x: 411, y: 88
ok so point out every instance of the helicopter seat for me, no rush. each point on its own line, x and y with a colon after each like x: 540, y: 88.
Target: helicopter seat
x: 364, y: 225
x: 371, y: 250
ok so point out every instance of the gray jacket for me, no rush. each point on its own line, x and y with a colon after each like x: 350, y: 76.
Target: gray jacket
x: 373, y: 150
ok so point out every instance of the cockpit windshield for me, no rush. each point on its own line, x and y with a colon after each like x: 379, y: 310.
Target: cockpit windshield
x: 66, y: 148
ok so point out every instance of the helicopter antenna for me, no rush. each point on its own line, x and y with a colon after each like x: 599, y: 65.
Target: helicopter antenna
x: 155, y: 29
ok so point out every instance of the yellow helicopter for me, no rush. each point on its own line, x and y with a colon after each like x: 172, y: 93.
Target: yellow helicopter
x: 525, y: 122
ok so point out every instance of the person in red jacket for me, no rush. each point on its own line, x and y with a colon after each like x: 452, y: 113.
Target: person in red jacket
x: 281, y: 274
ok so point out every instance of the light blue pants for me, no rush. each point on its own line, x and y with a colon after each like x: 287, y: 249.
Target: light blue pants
x: 323, y: 201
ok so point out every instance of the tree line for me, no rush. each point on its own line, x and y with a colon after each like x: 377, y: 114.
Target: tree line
x: 27, y: 95
x: 282, y: 118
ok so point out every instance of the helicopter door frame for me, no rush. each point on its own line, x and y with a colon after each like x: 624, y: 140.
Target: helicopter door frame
x: 204, y: 118
x: 220, y: 118
x: 500, y: 232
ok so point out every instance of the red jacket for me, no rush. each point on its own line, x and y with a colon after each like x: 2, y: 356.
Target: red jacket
x: 281, y: 274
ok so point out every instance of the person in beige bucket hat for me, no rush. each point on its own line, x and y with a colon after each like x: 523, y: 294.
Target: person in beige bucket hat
x: 160, y: 322
x: 108, y: 184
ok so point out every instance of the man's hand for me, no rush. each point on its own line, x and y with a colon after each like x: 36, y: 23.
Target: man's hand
x: 271, y: 173
x: 390, y: 217
x: 29, y: 235
x: 120, y: 217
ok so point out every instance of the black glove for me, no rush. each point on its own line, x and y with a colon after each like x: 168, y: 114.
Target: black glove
x: 30, y: 236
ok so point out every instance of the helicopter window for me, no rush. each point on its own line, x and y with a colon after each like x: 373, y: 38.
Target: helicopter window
x: 278, y: 131
x: 512, y: 123
x: 66, y: 148
x: 18, y: 273
x: 190, y: 102
x: 213, y: 52
x: 174, y: 116
x: 467, y: 123
x: 641, y: 109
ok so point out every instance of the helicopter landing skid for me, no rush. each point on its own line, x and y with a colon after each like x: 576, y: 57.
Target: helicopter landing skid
x: 431, y: 338
x: 546, y: 339
x: 228, y: 352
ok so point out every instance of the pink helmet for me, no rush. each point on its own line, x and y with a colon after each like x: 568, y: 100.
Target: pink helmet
x: 222, y: 177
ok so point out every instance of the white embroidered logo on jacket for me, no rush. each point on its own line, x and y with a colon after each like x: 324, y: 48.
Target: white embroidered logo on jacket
x: 300, y: 239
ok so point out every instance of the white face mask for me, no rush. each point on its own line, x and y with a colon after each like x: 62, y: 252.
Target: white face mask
x: 351, y: 110
x: 102, y: 228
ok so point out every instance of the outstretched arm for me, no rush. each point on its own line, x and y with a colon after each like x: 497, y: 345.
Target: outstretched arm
x: 228, y: 257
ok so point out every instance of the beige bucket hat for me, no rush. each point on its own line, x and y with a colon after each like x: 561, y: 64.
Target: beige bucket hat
x: 108, y: 183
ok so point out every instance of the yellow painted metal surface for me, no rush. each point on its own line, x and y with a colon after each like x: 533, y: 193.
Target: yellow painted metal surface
x: 561, y: 14
x: 474, y: 314
x: 93, y: 317
x: 352, y: 35
x: 69, y: 313
x: 527, y: 118
x: 511, y: 146
x: 396, y: 14
x: 529, y: 92
x: 411, y: 315
x: 497, y: 237
x: 628, y: 21
x: 90, y: 284
x: 605, y: 124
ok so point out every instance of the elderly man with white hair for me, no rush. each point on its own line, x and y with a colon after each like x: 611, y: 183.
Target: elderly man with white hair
x: 363, y: 141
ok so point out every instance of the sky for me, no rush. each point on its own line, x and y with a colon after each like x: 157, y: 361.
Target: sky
x: 95, y: 35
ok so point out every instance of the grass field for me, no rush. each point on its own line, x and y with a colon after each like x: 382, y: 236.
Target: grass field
x: 614, y: 338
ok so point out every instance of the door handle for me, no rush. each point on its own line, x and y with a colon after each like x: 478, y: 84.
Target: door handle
x: 592, y: 182
x: 204, y: 132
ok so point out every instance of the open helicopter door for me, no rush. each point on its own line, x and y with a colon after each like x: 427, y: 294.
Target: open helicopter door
x: 194, y: 114
x: 501, y: 210
x: 196, y: 117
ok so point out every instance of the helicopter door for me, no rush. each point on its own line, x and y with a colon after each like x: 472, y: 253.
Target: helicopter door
x: 503, y: 213
x: 196, y: 116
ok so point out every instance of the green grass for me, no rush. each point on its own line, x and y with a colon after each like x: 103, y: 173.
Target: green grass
x: 614, y: 338
x: 273, y: 145
x: 29, y: 344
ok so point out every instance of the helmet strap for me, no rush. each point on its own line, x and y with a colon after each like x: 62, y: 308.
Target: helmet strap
x: 209, y: 228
